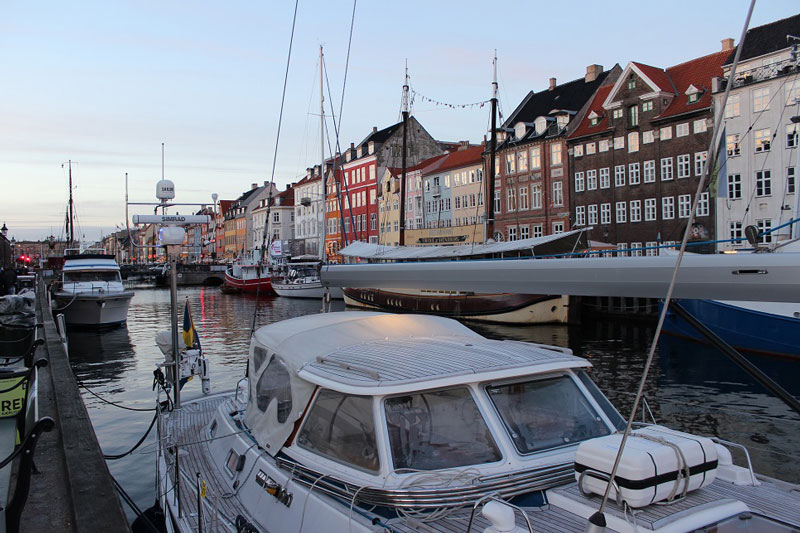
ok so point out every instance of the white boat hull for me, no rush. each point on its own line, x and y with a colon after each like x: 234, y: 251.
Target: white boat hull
x: 305, y: 290
x: 95, y: 310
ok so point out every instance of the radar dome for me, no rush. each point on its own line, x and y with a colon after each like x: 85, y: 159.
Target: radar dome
x: 165, y: 190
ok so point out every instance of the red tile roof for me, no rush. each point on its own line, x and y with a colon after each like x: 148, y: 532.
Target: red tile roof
x: 697, y: 72
x: 461, y: 158
x: 585, y: 127
x: 656, y: 75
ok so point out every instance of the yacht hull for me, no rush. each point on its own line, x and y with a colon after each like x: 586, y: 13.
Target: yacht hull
x: 94, y: 310
x: 261, y: 285
x: 767, y: 328
x: 496, y: 308
x: 305, y: 290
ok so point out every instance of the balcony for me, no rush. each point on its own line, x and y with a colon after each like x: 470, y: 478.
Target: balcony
x: 763, y: 73
x: 436, y: 191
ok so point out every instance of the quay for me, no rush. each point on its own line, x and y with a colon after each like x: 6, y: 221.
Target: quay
x: 73, y: 489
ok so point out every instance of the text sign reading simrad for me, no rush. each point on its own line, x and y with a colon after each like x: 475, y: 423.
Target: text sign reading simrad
x: 173, y: 220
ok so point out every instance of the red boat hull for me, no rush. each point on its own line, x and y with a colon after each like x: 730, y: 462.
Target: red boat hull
x: 261, y: 285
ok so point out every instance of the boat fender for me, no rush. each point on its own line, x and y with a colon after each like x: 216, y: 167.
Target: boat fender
x: 501, y: 516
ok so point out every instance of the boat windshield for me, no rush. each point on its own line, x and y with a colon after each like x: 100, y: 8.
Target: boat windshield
x: 545, y: 413
x: 439, y: 429
x: 92, y: 275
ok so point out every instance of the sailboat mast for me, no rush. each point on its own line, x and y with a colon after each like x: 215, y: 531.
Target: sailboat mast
x: 322, y: 158
x: 71, y: 219
x: 402, y: 188
x: 492, y: 150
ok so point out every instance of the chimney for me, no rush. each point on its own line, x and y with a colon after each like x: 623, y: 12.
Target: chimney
x: 592, y: 71
x: 552, y: 84
x: 255, y: 185
x: 374, y: 129
x: 727, y: 44
x: 352, y: 146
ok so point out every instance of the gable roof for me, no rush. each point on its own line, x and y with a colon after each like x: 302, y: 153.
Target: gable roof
x: 697, y: 72
x: 768, y: 38
x: 596, y: 107
x: 380, y: 136
x: 461, y: 158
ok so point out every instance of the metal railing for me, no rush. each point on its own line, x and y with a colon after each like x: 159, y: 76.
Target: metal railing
x: 763, y: 73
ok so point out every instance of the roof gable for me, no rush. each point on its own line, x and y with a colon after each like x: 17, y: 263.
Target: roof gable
x: 654, y: 77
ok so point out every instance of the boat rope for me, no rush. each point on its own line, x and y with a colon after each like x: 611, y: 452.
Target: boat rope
x: 132, y: 504
x: 90, y: 391
x: 135, y: 446
x: 598, y: 516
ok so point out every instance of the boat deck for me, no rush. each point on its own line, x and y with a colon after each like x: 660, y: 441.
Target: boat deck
x: 774, y: 499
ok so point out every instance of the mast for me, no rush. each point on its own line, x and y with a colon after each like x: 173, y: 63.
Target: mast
x: 71, y: 222
x: 492, y: 150
x: 401, y: 192
x: 322, y: 158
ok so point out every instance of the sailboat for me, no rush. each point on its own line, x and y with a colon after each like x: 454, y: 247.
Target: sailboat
x: 300, y: 277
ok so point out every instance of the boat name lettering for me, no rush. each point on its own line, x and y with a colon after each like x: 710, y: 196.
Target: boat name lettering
x: 437, y: 240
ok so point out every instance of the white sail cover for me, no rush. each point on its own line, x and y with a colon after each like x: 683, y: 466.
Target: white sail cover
x: 294, y: 343
x: 363, y: 250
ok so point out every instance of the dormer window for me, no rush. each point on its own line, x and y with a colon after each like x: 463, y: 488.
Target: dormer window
x: 631, y: 83
x: 693, y: 93
x: 594, y: 119
x: 694, y: 97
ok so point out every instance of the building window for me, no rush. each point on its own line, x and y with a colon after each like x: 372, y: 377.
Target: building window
x: 509, y: 163
x: 524, y: 232
x: 522, y: 160
x: 647, y: 137
x: 536, y: 157
x: 763, y: 183
x: 699, y: 162
x: 558, y: 227
x: 666, y: 169
x: 684, y: 205
x: 636, y: 210
x: 651, y: 248
x: 555, y: 154
x: 647, y: 106
x: 665, y: 133
x: 732, y: 143
x: 523, y: 198
x: 617, y: 113
x: 649, y: 171
x: 558, y: 194
x: 649, y: 209
x: 702, y: 205
x: 580, y: 215
x: 732, y: 106
x: 605, y: 178
x: 633, y: 142
x: 536, y: 196
x: 622, y: 212
x: 765, y: 228
x: 619, y: 176
x: 605, y: 213
x: 496, y: 201
x: 667, y: 208
x: 592, y: 210
x: 790, y: 181
x: 792, y: 92
x: 594, y: 121
x: 700, y: 126
x: 579, y: 182
x: 636, y: 249
x: 682, y: 130
x: 735, y: 186
x: 590, y: 148
x: 619, y: 143
x: 511, y: 200
x: 762, y: 140
x: 684, y: 166
x: 591, y: 179
x: 578, y: 150
x: 760, y: 99
x: 633, y: 116
x: 736, y: 232
x: 372, y: 221
x: 791, y: 136
x: 512, y: 233
x: 631, y: 82
x: 602, y: 146
x: 633, y: 174
x: 621, y: 249
x: 694, y: 97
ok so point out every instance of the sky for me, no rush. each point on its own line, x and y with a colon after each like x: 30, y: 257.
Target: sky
x: 105, y: 83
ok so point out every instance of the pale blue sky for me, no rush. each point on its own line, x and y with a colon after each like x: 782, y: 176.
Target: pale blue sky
x: 105, y: 83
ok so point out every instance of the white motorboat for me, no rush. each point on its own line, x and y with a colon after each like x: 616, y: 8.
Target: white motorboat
x: 91, y: 291
x: 381, y: 422
x: 301, y: 280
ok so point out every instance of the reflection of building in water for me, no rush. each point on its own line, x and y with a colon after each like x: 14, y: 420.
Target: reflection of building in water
x: 101, y: 356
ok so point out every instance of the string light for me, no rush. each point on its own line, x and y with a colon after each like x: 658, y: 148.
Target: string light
x: 415, y: 94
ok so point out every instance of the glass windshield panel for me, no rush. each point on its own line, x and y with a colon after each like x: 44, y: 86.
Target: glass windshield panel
x: 546, y: 413
x: 274, y: 384
x: 94, y: 275
x: 440, y: 429
x: 340, y: 427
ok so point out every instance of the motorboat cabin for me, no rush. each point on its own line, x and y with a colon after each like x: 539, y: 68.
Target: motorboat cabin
x: 360, y: 421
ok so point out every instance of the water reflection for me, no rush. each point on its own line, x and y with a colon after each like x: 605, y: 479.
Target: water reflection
x: 101, y: 357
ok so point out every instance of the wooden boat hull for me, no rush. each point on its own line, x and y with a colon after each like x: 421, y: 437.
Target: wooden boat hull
x: 263, y: 285
x: 497, y: 308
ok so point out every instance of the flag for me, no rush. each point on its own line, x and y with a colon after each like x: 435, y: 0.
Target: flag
x: 720, y: 169
x: 190, y: 337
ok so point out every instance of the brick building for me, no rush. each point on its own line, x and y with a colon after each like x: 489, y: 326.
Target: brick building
x: 637, y: 154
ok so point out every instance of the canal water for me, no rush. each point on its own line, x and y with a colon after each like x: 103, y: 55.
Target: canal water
x: 690, y: 387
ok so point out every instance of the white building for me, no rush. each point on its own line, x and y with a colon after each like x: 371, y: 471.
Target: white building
x: 308, y: 212
x: 281, y: 218
x: 761, y: 137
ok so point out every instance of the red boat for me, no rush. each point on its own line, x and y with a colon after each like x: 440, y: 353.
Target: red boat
x: 249, y: 277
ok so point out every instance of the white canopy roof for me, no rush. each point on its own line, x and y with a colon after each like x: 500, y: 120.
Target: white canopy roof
x: 90, y: 263
x: 394, y: 253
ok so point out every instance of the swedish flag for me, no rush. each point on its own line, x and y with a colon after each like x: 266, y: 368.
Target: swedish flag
x: 190, y: 337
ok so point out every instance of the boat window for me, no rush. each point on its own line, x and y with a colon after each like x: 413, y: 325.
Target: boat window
x: 607, y: 407
x: 92, y: 275
x: 546, y: 413
x: 259, y: 356
x: 274, y: 384
x: 439, y: 429
x: 340, y: 427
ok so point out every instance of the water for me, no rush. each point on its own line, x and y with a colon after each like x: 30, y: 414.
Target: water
x: 690, y: 387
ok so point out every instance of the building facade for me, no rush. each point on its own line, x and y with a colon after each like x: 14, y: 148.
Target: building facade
x: 308, y: 212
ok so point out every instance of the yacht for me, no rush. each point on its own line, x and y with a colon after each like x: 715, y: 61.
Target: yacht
x: 381, y: 422
x: 301, y: 280
x: 91, y: 293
